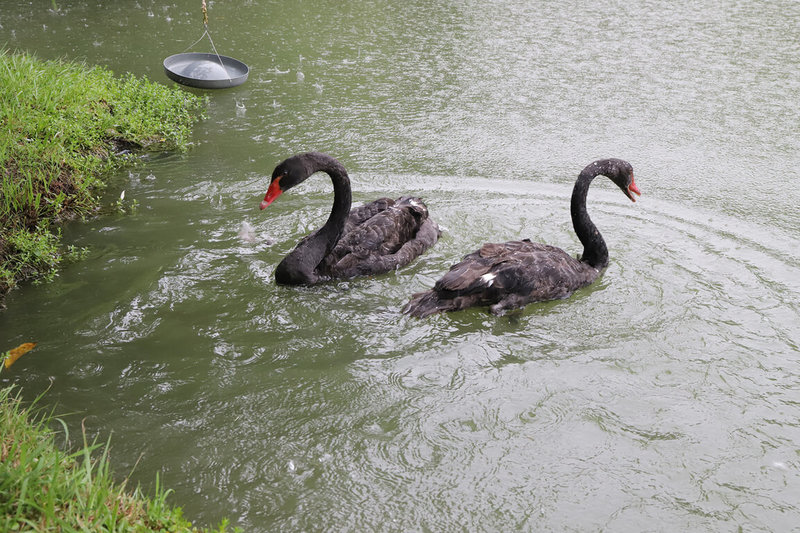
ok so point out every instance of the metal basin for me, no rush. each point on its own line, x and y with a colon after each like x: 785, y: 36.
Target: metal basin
x: 205, y: 71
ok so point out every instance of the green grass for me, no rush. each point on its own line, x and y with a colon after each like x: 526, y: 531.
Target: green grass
x: 45, y: 489
x: 64, y: 127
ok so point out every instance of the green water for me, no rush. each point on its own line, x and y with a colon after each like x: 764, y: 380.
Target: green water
x: 664, y: 397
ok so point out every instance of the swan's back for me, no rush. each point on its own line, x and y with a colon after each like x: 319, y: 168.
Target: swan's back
x: 381, y: 236
x: 504, y: 276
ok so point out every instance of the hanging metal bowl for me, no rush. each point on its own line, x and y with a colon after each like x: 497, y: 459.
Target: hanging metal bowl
x: 205, y: 71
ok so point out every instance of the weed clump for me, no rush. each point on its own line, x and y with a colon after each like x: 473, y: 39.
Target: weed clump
x: 64, y: 127
x: 45, y: 489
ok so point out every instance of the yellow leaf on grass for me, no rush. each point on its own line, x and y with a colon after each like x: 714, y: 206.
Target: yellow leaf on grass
x: 18, y: 352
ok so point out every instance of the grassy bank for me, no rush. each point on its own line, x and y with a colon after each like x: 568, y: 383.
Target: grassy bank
x: 63, y: 128
x: 45, y: 489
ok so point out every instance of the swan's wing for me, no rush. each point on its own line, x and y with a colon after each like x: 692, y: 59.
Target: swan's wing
x: 504, y: 276
x: 360, y: 214
x: 383, y: 233
x: 480, y: 269
x: 520, y: 270
x: 538, y: 272
x: 470, y: 282
x: 389, y: 239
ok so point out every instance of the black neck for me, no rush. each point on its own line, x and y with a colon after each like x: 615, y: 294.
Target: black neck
x: 595, y: 252
x: 300, y: 265
x: 342, y: 198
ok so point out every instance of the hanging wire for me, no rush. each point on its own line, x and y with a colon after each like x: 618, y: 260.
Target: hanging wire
x: 206, y: 32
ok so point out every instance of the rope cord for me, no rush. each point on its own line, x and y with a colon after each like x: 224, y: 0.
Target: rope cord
x: 197, y: 41
x: 206, y: 32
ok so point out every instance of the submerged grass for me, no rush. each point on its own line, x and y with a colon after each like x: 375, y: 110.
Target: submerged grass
x: 64, y: 127
x: 45, y: 489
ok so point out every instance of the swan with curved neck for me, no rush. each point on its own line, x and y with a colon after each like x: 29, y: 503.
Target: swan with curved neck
x: 370, y: 239
x: 513, y: 274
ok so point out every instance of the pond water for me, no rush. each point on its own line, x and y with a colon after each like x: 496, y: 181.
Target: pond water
x: 663, y: 397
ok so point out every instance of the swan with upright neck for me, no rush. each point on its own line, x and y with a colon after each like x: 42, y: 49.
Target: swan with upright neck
x: 374, y: 238
x: 513, y: 274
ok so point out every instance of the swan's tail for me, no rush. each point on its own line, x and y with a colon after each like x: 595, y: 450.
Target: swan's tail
x: 427, y: 303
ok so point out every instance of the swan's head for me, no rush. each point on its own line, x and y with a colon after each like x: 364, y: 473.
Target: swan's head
x: 621, y: 173
x: 285, y: 176
x: 297, y: 169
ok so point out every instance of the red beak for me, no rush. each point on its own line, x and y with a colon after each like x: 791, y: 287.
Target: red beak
x: 273, y: 192
x: 632, y: 188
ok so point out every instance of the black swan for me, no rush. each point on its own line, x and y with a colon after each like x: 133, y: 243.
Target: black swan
x: 371, y: 239
x: 514, y: 274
